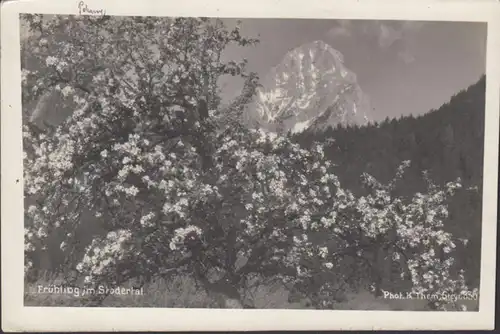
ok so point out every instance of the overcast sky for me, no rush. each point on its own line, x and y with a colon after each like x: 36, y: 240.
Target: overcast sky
x: 403, y: 66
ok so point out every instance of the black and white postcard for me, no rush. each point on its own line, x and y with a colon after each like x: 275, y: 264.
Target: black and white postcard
x: 247, y: 166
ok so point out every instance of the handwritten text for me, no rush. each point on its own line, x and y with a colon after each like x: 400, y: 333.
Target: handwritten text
x: 84, y: 9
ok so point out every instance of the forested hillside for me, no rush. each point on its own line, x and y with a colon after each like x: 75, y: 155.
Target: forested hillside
x: 448, y: 143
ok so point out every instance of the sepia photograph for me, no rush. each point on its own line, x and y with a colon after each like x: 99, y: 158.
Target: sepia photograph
x: 269, y: 163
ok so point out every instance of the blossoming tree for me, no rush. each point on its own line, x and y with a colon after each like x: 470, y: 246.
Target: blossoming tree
x: 183, y: 190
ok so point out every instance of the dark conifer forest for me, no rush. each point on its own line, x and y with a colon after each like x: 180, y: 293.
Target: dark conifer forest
x: 447, y: 143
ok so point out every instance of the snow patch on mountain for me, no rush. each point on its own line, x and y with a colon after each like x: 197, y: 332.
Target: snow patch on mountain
x: 310, y: 88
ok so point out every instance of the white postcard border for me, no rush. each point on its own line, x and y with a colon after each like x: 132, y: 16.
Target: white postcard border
x: 19, y: 318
